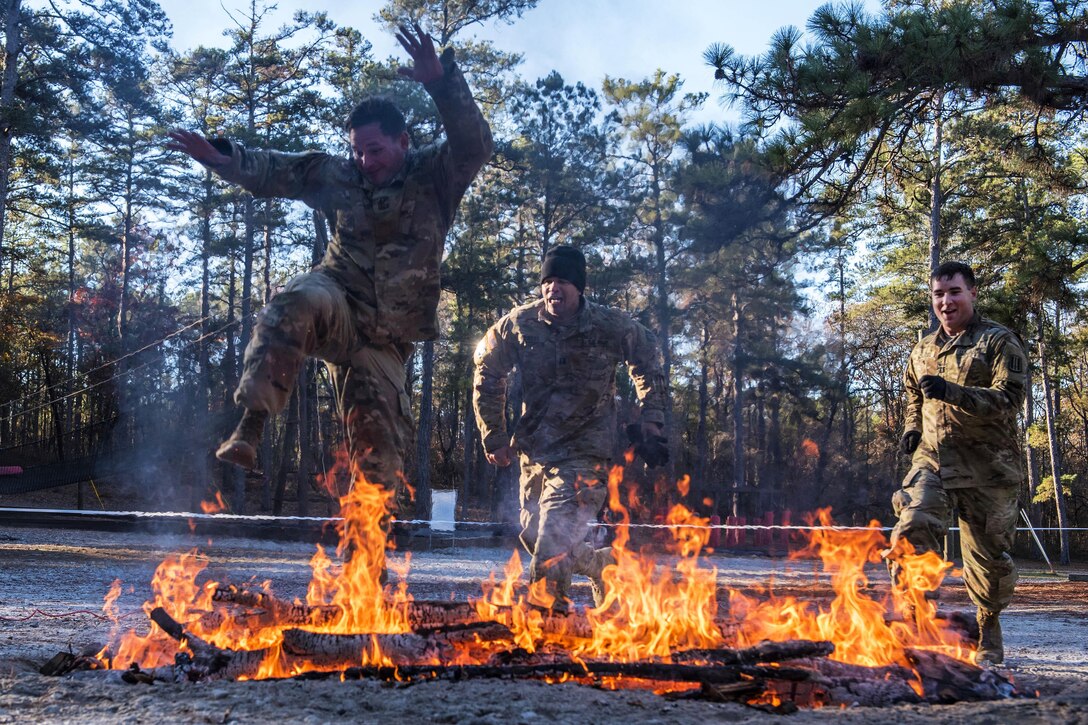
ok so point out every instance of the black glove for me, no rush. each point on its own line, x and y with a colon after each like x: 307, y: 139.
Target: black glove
x: 934, y: 386
x: 654, y: 450
x: 909, y: 442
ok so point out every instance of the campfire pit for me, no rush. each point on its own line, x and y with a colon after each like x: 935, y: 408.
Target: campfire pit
x: 661, y: 627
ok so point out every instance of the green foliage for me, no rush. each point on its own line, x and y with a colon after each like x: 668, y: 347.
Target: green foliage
x: 1045, y: 492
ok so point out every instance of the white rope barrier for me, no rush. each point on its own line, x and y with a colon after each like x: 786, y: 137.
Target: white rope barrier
x: 433, y: 522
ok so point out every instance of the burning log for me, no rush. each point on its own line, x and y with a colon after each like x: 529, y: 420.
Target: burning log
x: 764, y: 652
x: 934, y: 678
x: 275, y: 611
x: 419, y: 614
x: 950, y: 680
x: 659, y: 671
x: 207, y: 660
x: 435, y: 645
x: 330, y: 650
x: 469, y: 632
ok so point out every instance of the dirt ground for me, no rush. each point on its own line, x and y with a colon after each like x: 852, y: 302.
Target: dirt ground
x: 52, y: 584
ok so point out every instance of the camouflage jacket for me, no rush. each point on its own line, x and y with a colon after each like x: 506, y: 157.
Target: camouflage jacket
x: 971, y: 439
x: 387, y: 241
x: 568, y: 381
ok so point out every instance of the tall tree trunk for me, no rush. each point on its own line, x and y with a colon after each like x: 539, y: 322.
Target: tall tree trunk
x: 127, y: 241
x: 290, y: 436
x: 12, y: 48
x: 71, y: 340
x: 1031, y: 455
x: 936, y: 199
x: 423, y: 433
x: 1050, y: 397
x: 230, y: 473
x: 701, y: 432
x: 664, y: 315
x: 737, y: 393
x: 305, y: 436
x: 470, y: 473
x: 266, y: 441
x: 54, y: 405
x: 238, y: 493
x: 199, y: 483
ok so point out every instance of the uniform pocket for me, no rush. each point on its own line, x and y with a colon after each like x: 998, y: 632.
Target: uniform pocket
x: 975, y: 372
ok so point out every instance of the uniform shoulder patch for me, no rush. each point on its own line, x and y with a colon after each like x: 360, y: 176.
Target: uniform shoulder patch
x: 1016, y: 363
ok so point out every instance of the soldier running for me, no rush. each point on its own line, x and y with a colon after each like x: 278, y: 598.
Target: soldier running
x: 566, y: 350
x: 965, y: 386
x: 376, y: 291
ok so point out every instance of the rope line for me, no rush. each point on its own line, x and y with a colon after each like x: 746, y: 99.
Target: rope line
x: 34, y: 613
x: 127, y: 372
x: 150, y: 345
x: 431, y: 522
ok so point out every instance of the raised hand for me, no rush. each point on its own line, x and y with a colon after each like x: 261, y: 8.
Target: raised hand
x: 196, y: 146
x: 425, y: 64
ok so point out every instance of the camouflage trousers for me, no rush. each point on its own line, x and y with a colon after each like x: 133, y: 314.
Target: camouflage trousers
x: 311, y: 318
x: 557, y: 505
x: 987, y: 519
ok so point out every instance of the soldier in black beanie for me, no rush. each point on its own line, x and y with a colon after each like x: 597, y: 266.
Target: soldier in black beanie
x: 567, y: 350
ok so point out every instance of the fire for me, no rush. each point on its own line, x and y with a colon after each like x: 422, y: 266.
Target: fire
x: 855, y: 621
x: 654, y: 608
x: 652, y: 611
x: 352, y: 588
x: 214, y: 507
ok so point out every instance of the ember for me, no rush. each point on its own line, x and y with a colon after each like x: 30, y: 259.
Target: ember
x: 659, y: 627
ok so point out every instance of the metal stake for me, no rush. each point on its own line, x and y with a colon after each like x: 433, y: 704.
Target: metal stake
x: 1024, y: 515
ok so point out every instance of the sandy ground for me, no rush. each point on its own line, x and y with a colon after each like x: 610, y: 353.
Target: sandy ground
x: 52, y: 584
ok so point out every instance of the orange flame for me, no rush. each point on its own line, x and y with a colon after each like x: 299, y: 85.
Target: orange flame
x: 855, y: 621
x: 653, y: 607
x: 352, y: 587
x: 214, y: 507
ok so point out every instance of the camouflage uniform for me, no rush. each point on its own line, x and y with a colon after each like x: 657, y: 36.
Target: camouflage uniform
x: 566, y: 433
x: 969, y: 457
x: 377, y: 289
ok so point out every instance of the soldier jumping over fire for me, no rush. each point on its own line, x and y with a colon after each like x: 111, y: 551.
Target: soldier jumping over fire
x: 376, y: 291
x: 566, y: 350
x: 965, y: 384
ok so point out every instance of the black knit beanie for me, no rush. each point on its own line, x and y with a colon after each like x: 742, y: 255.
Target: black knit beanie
x: 566, y: 263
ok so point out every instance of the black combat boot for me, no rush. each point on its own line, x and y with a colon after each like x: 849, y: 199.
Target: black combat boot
x: 991, y: 650
x: 241, y: 448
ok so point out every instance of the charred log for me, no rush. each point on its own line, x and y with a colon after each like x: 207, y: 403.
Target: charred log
x: 639, y: 670
x: 332, y: 650
x: 763, y: 652
x: 433, y: 645
x: 207, y: 661
x: 275, y: 611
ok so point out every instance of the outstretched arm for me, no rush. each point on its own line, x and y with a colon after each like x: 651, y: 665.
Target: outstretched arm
x: 196, y: 146
x: 495, y: 357
x: 261, y: 173
x: 469, y: 142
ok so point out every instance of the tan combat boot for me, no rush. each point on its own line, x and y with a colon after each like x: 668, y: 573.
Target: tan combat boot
x: 991, y: 650
x: 241, y: 448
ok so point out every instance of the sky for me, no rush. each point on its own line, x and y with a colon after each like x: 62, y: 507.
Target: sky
x: 582, y: 39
